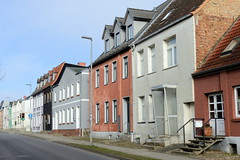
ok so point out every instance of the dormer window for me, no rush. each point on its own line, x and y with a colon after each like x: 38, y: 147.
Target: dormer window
x: 107, y: 45
x: 117, y: 39
x: 233, y: 44
x: 130, y: 32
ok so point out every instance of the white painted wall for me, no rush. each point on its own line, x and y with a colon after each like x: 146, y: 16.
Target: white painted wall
x: 180, y: 75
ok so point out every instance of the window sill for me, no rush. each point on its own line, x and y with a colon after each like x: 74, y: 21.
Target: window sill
x: 150, y: 73
x: 106, y: 84
x: 236, y: 120
x: 141, y: 122
x: 151, y: 122
x: 170, y: 67
x: 125, y: 78
x: 140, y: 76
x: 106, y: 122
x: 114, y: 81
x: 78, y: 95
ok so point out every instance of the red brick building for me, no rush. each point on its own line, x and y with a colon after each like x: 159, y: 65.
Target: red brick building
x: 217, y: 89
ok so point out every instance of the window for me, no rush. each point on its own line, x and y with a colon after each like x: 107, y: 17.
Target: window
x: 215, y: 102
x: 171, y: 53
x: 107, y: 45
x: 237, y: 101
x: 117, y: 39
x: 60, y: 95
x: 72, y: 109
x: 48, y: 119
x: 114, y: 110
x: 64, y: 116
x: 114, y: 71
x: 64, y: 93
x: 151, y: 109
x: 141, y: 109
x: 125, y: 67
x: 78, y: 88
x: 68, y: 115
x: 72, y: 90
x: 68, y: 92
x: 97, y: 113
x: 130, y: 32
x: 151, y: 59
x: 97, y: 78
x: 60, y: 116
x: 106, y: 108
x: 140, y: 63
x: 55, y: 96
x: 106, y: 75
x: 231, y: 46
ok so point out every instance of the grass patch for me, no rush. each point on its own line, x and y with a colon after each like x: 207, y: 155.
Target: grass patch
x: 108, y: 152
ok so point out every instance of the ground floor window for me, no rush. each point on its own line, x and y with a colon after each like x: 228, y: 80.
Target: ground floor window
x: 237, y: 101
x: 216, y: 109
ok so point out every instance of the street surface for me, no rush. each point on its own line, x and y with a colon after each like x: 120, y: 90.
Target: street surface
x: 17, y: 147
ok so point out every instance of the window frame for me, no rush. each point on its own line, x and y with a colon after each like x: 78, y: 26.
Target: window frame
x: 140, y: 63
x: 114, y: 111
x: 107, y: 45
x: 97, y: 113
x: 117, y: 39
x: 106, y: 74
x: 106, y: 112
x: 114, y: 71
x: 97, y: 78
x: 130, y: 31
x: 237, y: 101
x: 125, y: 67
x: 151, y: 58
x: 172, y: 56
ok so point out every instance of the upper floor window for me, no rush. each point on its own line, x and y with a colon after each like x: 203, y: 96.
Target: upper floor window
x: 60, y: 94
x: 64, y: 93
x: 106, y: 75
x: 237, y: 101
x: 97, y: 78
x: 151, y: 59
x: 130, y: 32
x: 107, y: 45
x: 78, y: 88
x: 55, y: 96
x: 117, y: 39
x: 140, y: 63
x: 171, y: 52
x: 68, y: 91
x: 125, y: 67
x: 114, y: 71
x: 231, y: 46
x: 72, y: 90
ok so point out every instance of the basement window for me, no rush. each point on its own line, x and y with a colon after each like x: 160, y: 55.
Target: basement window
x: 231, y: 46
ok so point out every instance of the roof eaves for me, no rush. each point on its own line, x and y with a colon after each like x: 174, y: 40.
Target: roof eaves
x: 200, y: 7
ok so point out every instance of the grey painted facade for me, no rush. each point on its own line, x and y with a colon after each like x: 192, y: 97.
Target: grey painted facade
x: 70, y: 99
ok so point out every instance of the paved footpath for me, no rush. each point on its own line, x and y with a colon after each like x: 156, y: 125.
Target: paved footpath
x: 140, y: 152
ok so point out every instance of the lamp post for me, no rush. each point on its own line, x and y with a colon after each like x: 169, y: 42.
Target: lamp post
x: 90, y: 92
x: 30, y: 85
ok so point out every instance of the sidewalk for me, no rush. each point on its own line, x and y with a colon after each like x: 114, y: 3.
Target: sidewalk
x: 139, y: 152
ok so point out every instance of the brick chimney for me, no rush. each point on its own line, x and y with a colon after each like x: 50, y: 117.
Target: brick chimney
x: 82, y: 64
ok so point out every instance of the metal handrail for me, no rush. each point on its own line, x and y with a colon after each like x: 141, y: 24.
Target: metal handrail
x: 158, y: 124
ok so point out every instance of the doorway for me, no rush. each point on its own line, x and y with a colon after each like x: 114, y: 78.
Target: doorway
x: 126, y: 115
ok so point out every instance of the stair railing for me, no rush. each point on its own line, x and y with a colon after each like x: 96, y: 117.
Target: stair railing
x: 183, y: 127
x: 157, y: 125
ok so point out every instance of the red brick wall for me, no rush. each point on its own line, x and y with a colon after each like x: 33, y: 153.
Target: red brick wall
x: 223, y: 82
x: 212, y: 21
x: 113, y: 91
x: 67, y: 132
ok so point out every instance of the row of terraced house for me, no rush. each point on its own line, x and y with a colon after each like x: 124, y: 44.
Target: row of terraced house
x: 164, y: 74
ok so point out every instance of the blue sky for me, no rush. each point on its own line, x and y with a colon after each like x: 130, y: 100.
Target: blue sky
x: 37, y: 35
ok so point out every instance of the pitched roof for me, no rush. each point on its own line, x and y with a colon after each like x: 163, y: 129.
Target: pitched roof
x: 172, y: 12
x: 216, y: 59
x: 56, y: 70
x: 108, y: 28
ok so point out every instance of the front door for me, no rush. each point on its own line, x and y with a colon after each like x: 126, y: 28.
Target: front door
x: 126, y: 115
x: 216, y: 113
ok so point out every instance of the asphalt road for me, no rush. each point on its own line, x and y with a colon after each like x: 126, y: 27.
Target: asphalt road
x: 17, y: 147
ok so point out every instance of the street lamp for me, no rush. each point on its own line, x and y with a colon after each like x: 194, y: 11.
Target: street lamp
x: 30, y: 88
x: 90, y: 92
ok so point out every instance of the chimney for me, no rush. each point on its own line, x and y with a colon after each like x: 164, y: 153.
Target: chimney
x: 24, y: 97
x: 82, y: 64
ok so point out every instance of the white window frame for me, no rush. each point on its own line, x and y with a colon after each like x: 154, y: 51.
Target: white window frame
x: 141, y: 109
x: 68, y: 115
x: 55, y: 96
x: 71, y: 117
x: 60, y: 95
x: 106, y: 112
x: 125, y: 67
x: 130, y: 31
x: 107, y: 45
x: 114, y: 71
x: 114, y: 111
x: 97, y: 113
x: 151, y: 113
x: 97, y: 78
x: 237, y: 102
x: 64, y: 93
x: 151, y: 59
x: 63, y: 116
x: 106, y: 75
x: 60, y: 116
x: 68, y: 92
x: 78, y: 88
x: 117, y: 39
x: 72, y: 90
x: 140, y: 63
x: 170, y: 56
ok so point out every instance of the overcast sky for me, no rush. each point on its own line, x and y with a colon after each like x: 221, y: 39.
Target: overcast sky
x: 37, y: 35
